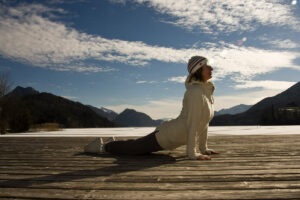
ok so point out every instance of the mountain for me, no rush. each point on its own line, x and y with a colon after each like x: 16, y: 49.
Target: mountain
x: 281, y: 109
x: 158, y: 122
x: 28, y: 106
x: 20, y: 92
x: 104, y: 112
x: 130, y: 117
x: 111, y: 115
x: 233, y: 110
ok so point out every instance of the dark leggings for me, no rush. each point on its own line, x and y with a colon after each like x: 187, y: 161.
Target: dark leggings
x: 140, y: 146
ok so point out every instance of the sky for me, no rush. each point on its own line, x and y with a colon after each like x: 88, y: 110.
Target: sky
x: 133, y: 54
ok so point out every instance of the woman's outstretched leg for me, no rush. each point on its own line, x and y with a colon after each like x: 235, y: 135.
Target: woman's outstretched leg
x: 143, y: 145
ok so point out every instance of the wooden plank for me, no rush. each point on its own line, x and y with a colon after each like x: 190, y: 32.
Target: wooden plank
x: 149, y: 178
x: 116, y: 194
x: 100, y: 172
x: 232, y: 152
x: 159, y: 186
x: 91, y: 166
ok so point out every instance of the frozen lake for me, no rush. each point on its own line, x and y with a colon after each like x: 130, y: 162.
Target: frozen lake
x: 141, y: 131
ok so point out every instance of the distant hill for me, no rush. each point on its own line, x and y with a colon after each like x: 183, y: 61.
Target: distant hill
x: 233, y: 110
x: 104, y: 112
x: 125, y: 118
x: 281, y: 109
x: 130, y: 117
x: 20, y: 92
x: 36, y: 108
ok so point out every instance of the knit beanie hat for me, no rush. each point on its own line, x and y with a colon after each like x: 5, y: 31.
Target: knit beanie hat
x: 195, y: 63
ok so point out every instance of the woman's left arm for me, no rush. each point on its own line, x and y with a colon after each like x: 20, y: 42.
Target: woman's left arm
x: 203, y: 143
x: 202, y: 138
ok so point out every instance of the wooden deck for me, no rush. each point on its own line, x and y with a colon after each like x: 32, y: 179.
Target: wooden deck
x: 249, y: 167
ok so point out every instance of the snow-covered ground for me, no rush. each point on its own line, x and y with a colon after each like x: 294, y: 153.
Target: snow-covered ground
x: 138, y: 131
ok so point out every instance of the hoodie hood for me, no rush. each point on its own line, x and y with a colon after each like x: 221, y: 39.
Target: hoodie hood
x: 190, y: 81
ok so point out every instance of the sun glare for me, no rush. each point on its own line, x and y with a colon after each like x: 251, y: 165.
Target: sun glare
x: 294, y: 2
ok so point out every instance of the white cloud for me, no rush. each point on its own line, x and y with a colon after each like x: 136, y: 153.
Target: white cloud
x: 243, y: 63
x: 27, y: 36
x: 149, y: 82
x: 201, y: 43
x: 275, y: 43
x: 284, y: 44
x: 140, y: 82
x: 177, y: 79
x: 65, y: 1
x: 225, y: 15
x: 118, y: 1
x: 266, y: 84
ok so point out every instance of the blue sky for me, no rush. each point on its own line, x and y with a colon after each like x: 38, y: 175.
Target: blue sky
x: 133, y: 54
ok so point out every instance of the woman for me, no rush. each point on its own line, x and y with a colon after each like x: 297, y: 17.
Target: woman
x: 189, y: 128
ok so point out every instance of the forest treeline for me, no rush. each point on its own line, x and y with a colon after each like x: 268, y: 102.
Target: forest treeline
x: 20, y: 112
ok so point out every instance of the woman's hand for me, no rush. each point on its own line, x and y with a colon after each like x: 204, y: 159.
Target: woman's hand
x: 211, y: 152
x: 203, y: 157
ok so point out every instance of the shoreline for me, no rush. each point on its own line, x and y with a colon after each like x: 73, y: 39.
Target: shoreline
x: 142, y: 131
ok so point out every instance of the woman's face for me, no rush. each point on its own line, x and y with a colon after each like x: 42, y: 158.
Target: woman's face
x: 206, y: 72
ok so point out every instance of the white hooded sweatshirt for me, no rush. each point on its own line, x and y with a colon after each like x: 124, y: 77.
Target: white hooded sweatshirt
x: 190, y: 127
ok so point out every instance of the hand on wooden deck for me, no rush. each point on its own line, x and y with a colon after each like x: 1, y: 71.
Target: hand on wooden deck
x: 203, y: 157
x: 211, y: 152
